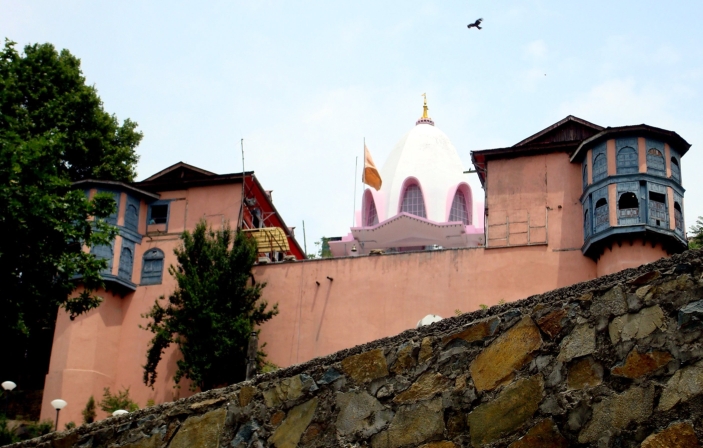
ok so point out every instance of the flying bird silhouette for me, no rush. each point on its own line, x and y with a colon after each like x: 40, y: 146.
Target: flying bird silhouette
x: 476, y: 24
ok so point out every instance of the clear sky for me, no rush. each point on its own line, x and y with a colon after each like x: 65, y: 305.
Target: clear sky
x: 304, y: 82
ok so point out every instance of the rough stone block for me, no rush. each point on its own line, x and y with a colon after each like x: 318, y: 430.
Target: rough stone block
x: 639, y: 364
x: 330, y: 376
x: 584, y: 373
x: 426, y: 387
x: 496, y: 364
x: 685, y: 384
x: 616, y: 412
x: 246, y: 394
x: 360, y: 413
x: 405, y: 359
x: 691, y: 316
x: 552, y: 323
x: 289, y: 389
x: 636, y: 326
x: 580, y: 342
x: 288, y: 434
x: 366, y: 366
x: 611, y: 303
x: 443, y: 444
x: 678, y: 435
x: 544, y: 434
x: 511, y: 409
x: 412, y: 424
x: 201, y: 430
x: 425, y: 350
x: 475, y: 332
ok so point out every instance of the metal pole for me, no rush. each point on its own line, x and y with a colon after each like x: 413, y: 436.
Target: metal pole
x: 244, y: 183
x: 305, y: 241
x: 251, y: 355
x: 7, y: 404
x: 56, y: 427
x: 356, y: 168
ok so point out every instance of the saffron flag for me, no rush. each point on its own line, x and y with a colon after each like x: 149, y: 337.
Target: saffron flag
x: 370, y: 176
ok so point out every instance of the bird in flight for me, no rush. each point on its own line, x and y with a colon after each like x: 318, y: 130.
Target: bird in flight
x: 476, y: 24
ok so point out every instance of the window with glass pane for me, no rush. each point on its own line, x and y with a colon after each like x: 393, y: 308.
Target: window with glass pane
x: 413, y: 202
x: 371, y: 214
x: 655, y: 162
x: 459, y: 211
x: 600, y: 167
x: 627, y: 161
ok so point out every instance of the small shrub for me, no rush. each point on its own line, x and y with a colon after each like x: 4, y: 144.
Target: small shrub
x: 458, y: 312
x: 69, y: 425
x: 110, y: 403
x: 483, y: 306
x: 89, y: 413
x: 6, y: 435
x: 150, y: 402
x: 37, y: 429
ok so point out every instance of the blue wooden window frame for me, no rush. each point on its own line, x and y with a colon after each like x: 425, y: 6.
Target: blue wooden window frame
x: 157, y: 204
x: 126, y: 263
x: 152, y: 267
x: 627, y: 160
x: 600, y: 166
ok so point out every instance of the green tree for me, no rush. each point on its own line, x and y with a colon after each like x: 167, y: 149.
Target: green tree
x: 53, y: 132
x: 120, y: 400
x: 695, y: 237
x: 212, y: 312
x: 88, y: 412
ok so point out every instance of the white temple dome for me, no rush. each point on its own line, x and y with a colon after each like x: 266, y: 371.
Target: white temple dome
x: 427, y: 155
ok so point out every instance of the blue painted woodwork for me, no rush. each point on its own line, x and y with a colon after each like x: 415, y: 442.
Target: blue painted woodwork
x: 600, y: 162
x: 152, y: 267
x: 131, y: 214
x: 655, y: 158
x: 627, y: 158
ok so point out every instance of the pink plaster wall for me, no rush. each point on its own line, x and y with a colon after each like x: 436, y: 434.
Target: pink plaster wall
x: 376, y: 296
x: 628, y: 255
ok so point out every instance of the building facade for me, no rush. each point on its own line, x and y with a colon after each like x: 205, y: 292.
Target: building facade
x: 570, y: 203
x: 106, y: 347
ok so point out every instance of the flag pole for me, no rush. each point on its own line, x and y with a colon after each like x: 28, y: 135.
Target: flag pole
x: 356, y: 170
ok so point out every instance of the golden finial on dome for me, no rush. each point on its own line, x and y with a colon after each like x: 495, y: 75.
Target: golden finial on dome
x: 425, y: 119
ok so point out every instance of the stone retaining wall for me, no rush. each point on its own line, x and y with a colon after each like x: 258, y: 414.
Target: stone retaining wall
x: 612, y: 362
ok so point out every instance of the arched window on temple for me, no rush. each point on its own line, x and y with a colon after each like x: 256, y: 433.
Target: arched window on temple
x: 586, y: 224
x: 655, y: 162
x: 678, y: 216
x: 370, y: 212
x: 627, y: 161
x: 152, y: 267
x: 413, y: 201
x: 600, y: 167
x: 675, y: 170
x: 126, y: 263
x: 460, y: 210
x: 628, y: 208
x: 601, y: 214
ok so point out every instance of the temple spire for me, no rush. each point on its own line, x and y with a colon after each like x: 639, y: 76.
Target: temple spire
x: 425, y: 119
